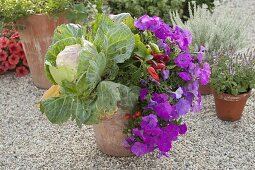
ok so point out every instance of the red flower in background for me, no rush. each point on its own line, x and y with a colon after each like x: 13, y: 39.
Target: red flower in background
x: 13, y: 59
x: 14, y: 48
x: 24, y: 62
x: 21, y: 71
x: 2, y: 69
x: 20, y: 44
x: 12, y: 56
x: 15, y: 35
x: 3, y: 42
x: 9, y: 66
x: 3, y: 55
x: 21, y: 54
x: 5, y: 32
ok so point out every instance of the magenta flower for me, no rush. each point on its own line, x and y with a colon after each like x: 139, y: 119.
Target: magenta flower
x: 164, y: 110
x: 143, y: 93
x: 165, y: 74
x: 183, y: 128
x: 185, y: 76
x: 139, y: 149
x: 159, y: 98
x: 182, y: 107
x: 183, y: 60
x: 149, y: 121
x: 200, y: 54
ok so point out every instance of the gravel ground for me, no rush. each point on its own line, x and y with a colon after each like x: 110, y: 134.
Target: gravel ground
x: 29, y: 141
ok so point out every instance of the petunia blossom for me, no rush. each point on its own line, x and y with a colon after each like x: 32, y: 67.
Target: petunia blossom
x: 4, y: 42
x: 3, y: 55
x: 143, y: 93
x: 21, y: 71
x: 182, y: 107
x: 183, y: 60
x: 185, y: 76
x: 13, y: 59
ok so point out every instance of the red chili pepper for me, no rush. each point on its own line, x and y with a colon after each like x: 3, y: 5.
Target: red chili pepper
x: 166, y: 59
x: 158, y: 56
x: 159, y: 66
x: 153, y: 73
x: 138, y: 114
x: 128, y: 116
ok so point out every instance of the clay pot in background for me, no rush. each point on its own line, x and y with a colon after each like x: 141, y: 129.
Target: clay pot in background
x: 36, y: 32
x: 205, y: 89
x: 110, y: 137
x: 229, y: 107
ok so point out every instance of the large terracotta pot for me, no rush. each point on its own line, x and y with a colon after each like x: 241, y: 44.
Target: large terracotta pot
x: 36, y: 32
x: 229, y: 107
x: 109, y: 135
x: 205, y: 89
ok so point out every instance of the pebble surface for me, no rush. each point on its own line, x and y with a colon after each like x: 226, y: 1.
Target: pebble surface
x: 29, y: 141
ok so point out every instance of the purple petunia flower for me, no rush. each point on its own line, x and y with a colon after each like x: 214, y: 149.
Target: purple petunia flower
x: 165, y: 74
x: 182, y: 37
x: 163, y: 32
x: 142, y: 22
x: 143, y: 83
x: 183, y: 60
x: 182, y: 107
x: 159, y: 98
x: 205, y: 74
x: 200, y: 54
x: 149, y: 121
x: 183, y: 128
x: 178, y: 93
x: 139, y: 149
x: 185, y: 76
x: 143, y: 93
x: 164, y: 110
x: 161, y: 44
x: 129, y: 141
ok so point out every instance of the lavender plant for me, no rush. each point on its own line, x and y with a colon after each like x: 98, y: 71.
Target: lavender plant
x: 234, y: 74
x: 220, y: 32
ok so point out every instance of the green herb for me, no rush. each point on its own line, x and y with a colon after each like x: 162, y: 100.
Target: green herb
x: 234, y: 75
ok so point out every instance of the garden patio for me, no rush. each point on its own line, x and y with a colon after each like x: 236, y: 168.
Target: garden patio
x: 29, y: 141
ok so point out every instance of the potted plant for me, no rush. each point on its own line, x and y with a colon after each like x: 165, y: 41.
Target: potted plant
x: 12, y: 56
x: 232, y: 81
x: 133, y: 80
x: 219, y: 32
x: 36, y: 21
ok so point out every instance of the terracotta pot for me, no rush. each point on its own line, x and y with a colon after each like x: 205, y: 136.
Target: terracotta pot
x: 229, y: 107
x: 205, y: 89
x: 36, y: 32
x: 109, y: 135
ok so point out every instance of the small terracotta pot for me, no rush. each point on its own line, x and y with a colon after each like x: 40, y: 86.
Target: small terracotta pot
x: 229, y: 107
x: 110, y: 137
x: 205, y: 89
x: 36, y: 32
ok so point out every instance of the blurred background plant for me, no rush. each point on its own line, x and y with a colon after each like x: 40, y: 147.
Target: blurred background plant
x: 234, y: 74
x: 12, y: 56
x: 77, y: 11
x: 220, y: 32
x: 161, y: 8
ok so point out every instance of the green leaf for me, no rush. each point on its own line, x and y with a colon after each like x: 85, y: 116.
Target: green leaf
x: 54, y: 50
x: 67, y: 31
x: 120, y: 17
x: 140, y: 48
x: 110, y: 96
x: 59, y: 109
x: 90, y: 69
x: 115, y: 40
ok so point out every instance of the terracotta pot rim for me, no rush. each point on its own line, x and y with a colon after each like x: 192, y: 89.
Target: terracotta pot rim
x: 230, y: 97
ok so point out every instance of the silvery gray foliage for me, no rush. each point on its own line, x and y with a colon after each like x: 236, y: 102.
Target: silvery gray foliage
x: 220, y: 32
